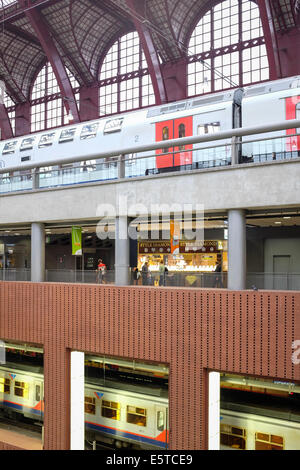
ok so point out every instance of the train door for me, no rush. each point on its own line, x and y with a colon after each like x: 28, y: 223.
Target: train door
x: 162, y: 428
x: 174, y: 129
x: 39, y: 398
x: 183, y: 128
x: 164, y: 131
x: 293, y: 112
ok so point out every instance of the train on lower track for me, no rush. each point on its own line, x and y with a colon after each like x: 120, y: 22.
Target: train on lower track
x: 264, y: 103
x: 125, y: 418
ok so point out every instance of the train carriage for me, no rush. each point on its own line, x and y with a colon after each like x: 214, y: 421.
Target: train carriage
x: 257, y: 104
x: 272, y: 102
x: 123, y: 417
x: 21, y: 391
x: 249, y: 431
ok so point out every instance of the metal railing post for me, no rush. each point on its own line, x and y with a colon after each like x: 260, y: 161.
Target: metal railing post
x: 121, y: 166
x: 234, y: 150
x: 35, y: 178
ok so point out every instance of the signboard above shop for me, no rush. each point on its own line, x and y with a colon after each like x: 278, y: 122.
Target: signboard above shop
x: 155, y: 247
x: 198, y: 246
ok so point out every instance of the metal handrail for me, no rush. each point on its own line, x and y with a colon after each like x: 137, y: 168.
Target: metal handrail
x: 222, y: 135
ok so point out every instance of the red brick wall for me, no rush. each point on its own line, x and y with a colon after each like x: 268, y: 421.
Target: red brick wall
x: 192, y: 330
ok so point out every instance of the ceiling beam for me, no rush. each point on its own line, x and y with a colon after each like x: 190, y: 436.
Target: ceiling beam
x: 9, y: 14
x: 271, y: 39
x: 5, y: 125
x: 297, y: 12
x: 21, y: 33
x: 39, y: 25
x: 150, y: 52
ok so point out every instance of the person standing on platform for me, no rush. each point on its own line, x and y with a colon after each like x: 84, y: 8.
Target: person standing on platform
x: 163, y: 270
x: 135, y: 276
x: 145, y: 274
x: 101, y: 268
x: 218, y: 275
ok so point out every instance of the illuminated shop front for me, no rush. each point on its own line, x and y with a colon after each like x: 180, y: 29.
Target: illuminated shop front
x: 190, y: 256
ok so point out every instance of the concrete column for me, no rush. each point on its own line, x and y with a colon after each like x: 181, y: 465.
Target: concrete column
x: 77, y: 400
x: 122, y: 251
x: 236, y: 249
x: 37, y: 252
x: 214, y: 411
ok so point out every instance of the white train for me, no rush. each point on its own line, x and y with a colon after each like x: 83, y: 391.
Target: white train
x: 247, y: 431
x: 265, y: 103
x: 125, y: 418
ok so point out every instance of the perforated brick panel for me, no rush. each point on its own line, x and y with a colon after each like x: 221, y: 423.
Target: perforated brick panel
x: 192, y: 330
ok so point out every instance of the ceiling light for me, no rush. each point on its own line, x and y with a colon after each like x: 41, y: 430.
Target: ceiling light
x: 287, y: 217
x: 278, y: 223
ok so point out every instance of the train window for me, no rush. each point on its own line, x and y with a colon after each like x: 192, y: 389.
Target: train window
x: 232, y: 436
x: 130, y: 159
x: 90, y: 405
x: 165, y: 133
x: 89, y: 165
x: 10, y: 147
x: 181, y: 131
x: 5, y: 178
x: 67, y: 135
x: 211, y: 128
x: 21, y: 389
x: 165, y: 136
x: 181, y: 134
x: 160, y: 421
x: 113, y: 125
x: 4, y: 385
x: 27, y: 144
x: 136, y: 416
x: 89, y: 131
x: 110, y: 409
x: 268, y: 442
x: 46, y: 140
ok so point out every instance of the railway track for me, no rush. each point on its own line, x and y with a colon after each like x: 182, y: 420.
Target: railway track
x: 20, y: 425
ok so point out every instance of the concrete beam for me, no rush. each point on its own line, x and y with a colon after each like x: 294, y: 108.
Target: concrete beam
x: 272, y: 185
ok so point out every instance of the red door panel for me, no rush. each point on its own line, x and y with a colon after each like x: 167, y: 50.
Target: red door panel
x: 164, y: 131
x: 183, y: 127
x: 293, y: 112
